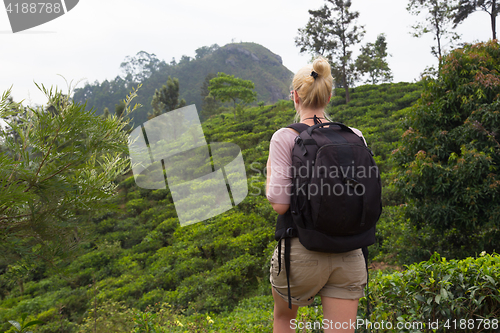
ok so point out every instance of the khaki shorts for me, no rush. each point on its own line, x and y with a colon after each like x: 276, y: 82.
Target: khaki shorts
x: 337, y: 275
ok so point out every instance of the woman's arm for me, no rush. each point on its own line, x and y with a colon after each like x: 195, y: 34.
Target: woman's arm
x: 279, y: 208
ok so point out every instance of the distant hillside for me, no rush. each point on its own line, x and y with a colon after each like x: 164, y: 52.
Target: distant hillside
x: 248, y: 61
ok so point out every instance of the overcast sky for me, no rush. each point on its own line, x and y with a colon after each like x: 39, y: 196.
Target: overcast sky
x: 89, y: 42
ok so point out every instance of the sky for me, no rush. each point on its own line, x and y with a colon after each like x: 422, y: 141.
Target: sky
x: 88, y: 43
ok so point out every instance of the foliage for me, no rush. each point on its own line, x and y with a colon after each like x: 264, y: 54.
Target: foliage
x: 372, y: 61
x: 450, y: 292
x: 209, y: 105
x: 21, y: 327
x: 453, y: 292
x: 450, y: 154
x: 106, y: 113
x: 167, y: 98
x: 55, y: 173
x: 394, y: 237
x: 250, y: 315
x: 141, y: 66
x: 226, y: 87
x: 437, y: 22
x: 10, y: 114
x: 119, y: 109
x: 109, y: 317
x: 466, y: 7
x: 206, y: 51
x: 332, y: 37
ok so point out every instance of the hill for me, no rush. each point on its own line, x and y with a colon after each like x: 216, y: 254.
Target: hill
x: 248, y: 61
x: 141, y: 256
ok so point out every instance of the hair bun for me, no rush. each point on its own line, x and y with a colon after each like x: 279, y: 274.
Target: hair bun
x: 321, y: 66
x: 313, y: 84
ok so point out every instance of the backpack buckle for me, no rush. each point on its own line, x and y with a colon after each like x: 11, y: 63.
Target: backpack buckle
x: 300, y: 143
x: 290, y: 232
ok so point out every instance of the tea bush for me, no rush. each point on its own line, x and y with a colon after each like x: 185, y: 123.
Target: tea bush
x: 216, y: 270
x: 440, y: 289
x: 450, y: 292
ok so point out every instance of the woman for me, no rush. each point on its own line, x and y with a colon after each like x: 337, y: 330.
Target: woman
x: 339, y: 278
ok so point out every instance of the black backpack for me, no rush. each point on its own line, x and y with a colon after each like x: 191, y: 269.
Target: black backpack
x: 336, y: 192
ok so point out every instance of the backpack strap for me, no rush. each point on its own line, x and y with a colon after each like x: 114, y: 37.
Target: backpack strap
x: 365, y: 255
x: 342, y: 126
x: 287, y: 265
x: 285, y: 231
x: 299, y: 127
x: 287, y: 269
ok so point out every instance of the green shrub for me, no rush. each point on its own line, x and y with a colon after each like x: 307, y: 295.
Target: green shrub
x: 134, y: 195
x: 136, y: 205
x: 250, y: 315
x: 128, y: 183
x: 449, y: 156
x: 393, y: 234
x: 159, y: 194
x: 465, y: 291
x: 110, y: 317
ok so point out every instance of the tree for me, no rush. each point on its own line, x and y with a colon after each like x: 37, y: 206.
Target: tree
x: 372, y: 61
x: 332, y: 37
x: 119, y: 109
x: 437, y: 22
x: 167, y: 98
x: 141, y: 66
x: 210, y: 104
x: 449, y: 158
x: 184, y: 59
x: 106, y: 113
x: 12, y: 111
x: 205, y: 50
x: 467, y: 7
x: 226, y: 87
x: 57, y: 176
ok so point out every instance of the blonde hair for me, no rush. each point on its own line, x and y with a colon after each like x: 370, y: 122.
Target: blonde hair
x: 314, y: 92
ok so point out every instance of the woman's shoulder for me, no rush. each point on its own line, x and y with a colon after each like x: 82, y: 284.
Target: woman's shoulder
x: 283, y: 141
x: 358, y: 133
x: 284, y: 134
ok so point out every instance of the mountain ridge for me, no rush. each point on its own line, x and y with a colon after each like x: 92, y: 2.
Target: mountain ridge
x: 249, y: 61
